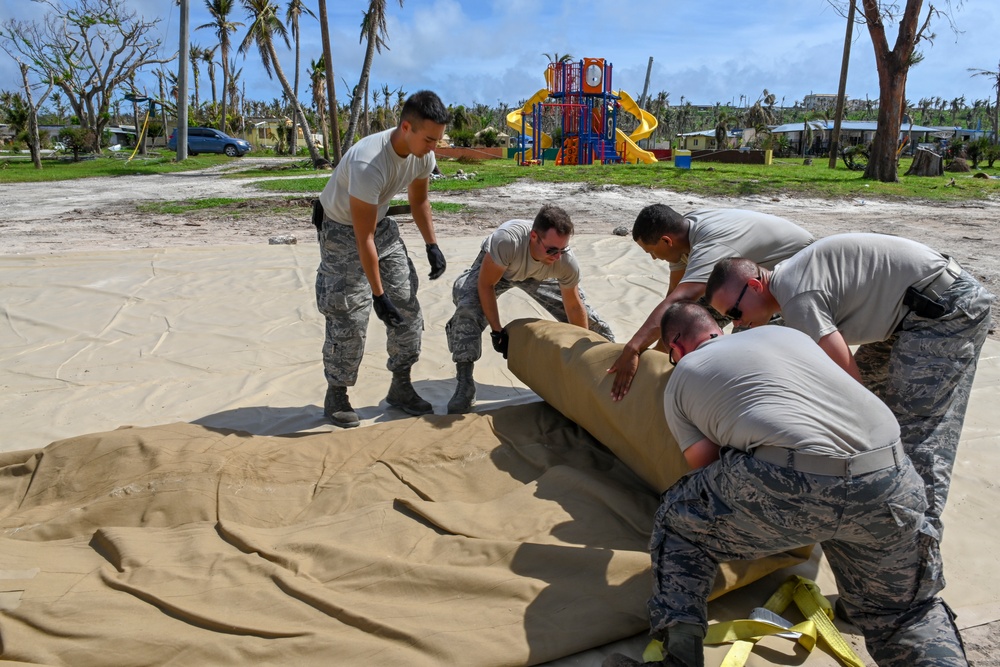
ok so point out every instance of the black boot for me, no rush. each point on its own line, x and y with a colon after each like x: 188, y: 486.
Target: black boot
x: 337, y: 408
x: 685, y: 645
x: 402, y: 395
x: 465, y: 392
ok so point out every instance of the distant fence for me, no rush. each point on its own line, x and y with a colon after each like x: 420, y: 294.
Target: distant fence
x: 478, y: 153
x: 733, y: 156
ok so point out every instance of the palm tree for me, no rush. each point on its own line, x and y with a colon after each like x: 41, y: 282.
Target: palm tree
x: 292, y: 14
x: 722, y: 124
x: 317, y: 80
x: 558, y: 58
x: 208, y: 56
x: 375, y: 30
x: 194, y: 53
x: 261, y: 33
x: 995, y: 116
x: 330, y: 80
x: 220, y: 9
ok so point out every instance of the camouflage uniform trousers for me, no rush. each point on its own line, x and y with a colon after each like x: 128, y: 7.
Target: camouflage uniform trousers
x: 344, y: 296
x: 924, y: 373
x: 466, y: 326
x: 872, y: 528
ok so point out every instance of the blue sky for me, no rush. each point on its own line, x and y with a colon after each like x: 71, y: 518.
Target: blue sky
x: 709, y: 51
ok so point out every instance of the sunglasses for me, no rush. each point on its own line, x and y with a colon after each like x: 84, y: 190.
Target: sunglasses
x: 670, y: 349
x: 735, y: 313
x: 552, y: 251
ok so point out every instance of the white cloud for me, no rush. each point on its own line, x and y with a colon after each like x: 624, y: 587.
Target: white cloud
x: 712, y: 51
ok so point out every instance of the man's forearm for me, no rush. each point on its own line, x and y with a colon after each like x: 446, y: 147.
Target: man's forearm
x: 368, y: 254
x: 423, y: 219
x: 488, y: 302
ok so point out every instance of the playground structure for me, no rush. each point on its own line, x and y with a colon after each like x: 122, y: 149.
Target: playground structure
x: 580, y: 97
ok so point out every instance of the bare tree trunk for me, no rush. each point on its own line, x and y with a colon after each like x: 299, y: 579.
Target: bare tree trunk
x: 366, y: 68
x: 293, y: 142
x: 330, y: 86
x: 926, y: 163
x: 893, y: 67
x: 310, y: 144
x: 34, y: 143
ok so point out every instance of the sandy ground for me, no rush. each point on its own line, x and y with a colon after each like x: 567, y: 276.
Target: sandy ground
x: 103, y: 214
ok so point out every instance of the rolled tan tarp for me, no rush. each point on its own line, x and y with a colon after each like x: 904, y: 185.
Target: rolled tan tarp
x: 568, y: 367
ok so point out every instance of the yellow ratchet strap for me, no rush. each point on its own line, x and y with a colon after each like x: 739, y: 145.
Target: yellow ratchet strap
x: 743, y: 634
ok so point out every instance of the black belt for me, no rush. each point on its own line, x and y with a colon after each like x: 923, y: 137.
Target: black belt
x: 820, y: 464
x: 926, y: 302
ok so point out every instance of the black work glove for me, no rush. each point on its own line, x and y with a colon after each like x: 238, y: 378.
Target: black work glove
x: 436, y: 259
x: 501, y: 341
x: 386, y: 311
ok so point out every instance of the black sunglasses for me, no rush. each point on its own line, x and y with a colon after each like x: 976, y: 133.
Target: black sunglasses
x: 735, y: 312
x: 553, y: 250
x: 670, y: 349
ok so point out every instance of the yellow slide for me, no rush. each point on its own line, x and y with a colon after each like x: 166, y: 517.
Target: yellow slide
x: 514, y: 122
x: 627, y: 145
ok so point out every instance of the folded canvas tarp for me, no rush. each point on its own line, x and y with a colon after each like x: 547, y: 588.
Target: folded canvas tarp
x: 511, y: 537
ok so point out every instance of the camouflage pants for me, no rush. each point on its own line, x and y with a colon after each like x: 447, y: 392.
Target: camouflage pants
x: 924, y: 373
x: 344, y: 297
x: 872, y: 528
x: 466, y: 326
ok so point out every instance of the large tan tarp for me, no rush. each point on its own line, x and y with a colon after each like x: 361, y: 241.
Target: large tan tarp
x: 506, y: 538
x: 229, y: 337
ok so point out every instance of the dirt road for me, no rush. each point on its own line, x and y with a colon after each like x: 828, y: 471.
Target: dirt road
x: 103, y: 213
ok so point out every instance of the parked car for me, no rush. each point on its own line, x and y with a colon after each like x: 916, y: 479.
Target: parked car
x: 210, y: 140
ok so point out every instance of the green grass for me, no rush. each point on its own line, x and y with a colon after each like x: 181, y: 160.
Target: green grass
x: 63, y: 168
x: 176, y: 207
x: 785, y: 177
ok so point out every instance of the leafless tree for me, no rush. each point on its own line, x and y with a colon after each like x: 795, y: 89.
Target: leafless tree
x: 88, y: 51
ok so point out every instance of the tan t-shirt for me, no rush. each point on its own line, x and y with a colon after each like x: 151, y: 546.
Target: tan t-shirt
x: 718, y: 233
x: 852, y: 283
x: 372, y: 172
x: 509, y: 246
x: 773, y: 386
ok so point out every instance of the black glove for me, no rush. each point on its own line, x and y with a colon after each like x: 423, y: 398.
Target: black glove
x: 500, y: 341
x: 436, y: 259
x: 386, y: 311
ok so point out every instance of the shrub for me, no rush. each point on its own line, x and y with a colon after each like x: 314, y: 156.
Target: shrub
x: 488, y: 138
x: 463, y: 138
x: 77, y: 139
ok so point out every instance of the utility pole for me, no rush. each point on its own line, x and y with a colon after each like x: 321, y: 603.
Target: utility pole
x: 645, y: 91
x: 835, y: 134
x: 182, y: 86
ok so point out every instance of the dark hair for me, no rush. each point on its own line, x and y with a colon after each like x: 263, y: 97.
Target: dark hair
x: 685, y: 317
x: 655, y: 221
x: 551, y: 216
x: 730, y: 270
x: 425, y: 105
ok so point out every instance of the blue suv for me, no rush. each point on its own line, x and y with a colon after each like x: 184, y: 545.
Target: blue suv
x: 209, y: 140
